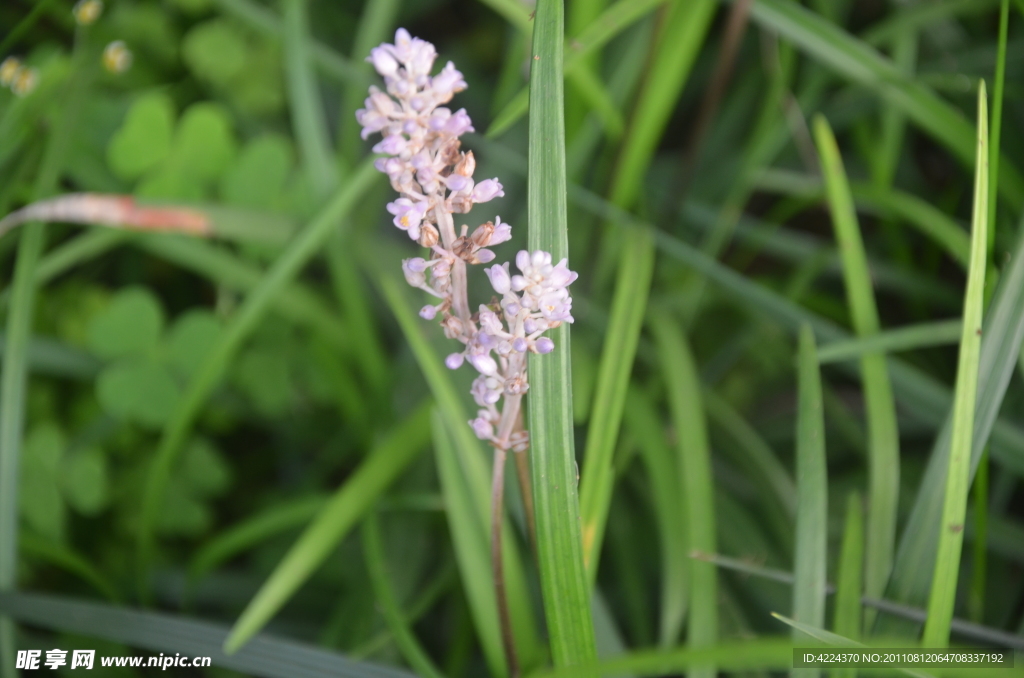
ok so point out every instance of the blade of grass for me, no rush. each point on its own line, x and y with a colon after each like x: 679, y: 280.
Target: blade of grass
x: 810, y: 554
x: 342, y: 511
x: 244, y: 321
x: 997, y: 118
x: 304, y: 101
x: 1003, y: 332
x: 627, y: 313
x: 846, y: 619
x: 884, y: 443
x: 908, y: 338
x: 467, y: 496
x: 860, y: 63
x: 694, y: 467
x: 266, y: 656
x: 552, y: 452
x: 14, y: 379
x: 947, y: 558
x: 644, y: 428
x: 376, y: 563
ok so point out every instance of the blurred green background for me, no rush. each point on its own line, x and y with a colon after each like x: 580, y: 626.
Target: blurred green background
x: 228, y: 107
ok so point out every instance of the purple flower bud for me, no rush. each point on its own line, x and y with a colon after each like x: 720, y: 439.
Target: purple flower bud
x: 392, y: 145
x: 428, y: 312
x: 483, y: 363
x: 482, y: 427
x: 382, y: 60
x: 459, y: 123
x: 523, y: 260
x: 545, y: 345
x: 486, y: 190
x: 484, y: 256
x: 454, y: 361
x: 520, y: 345
x: 457, y: 182
x: 500, y: 280
x: 502, y: 232
x: 413, y: 270
x: 530, y: 326
x: 447, y: 81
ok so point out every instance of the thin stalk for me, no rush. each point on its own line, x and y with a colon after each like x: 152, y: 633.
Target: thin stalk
x: 497, y: 512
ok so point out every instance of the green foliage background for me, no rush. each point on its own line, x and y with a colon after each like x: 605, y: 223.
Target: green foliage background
x: 254, y: 429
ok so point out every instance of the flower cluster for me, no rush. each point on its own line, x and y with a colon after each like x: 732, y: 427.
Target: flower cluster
x: 434, y: 179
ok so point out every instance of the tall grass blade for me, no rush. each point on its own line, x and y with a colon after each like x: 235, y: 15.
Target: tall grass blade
x: 628, y: 308
x: 559, y: 543
x: 252, y: 311
x: 682, y: 384
x: 951, y: 533
x: 1003, y: 332
x: 884, y: 443
x: 332, y: 523
x: 850, y: 577
x: 266, y: 656
x: 376, y: 563
x: 811, y: 550
x: 14, y: 379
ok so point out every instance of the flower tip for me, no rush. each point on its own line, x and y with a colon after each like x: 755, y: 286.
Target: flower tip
x: 545, y: 345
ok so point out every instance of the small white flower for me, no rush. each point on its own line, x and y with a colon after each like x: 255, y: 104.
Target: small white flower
x: 500, y: 280
x: 408, y: 215
x: 487, y: 190
x: 117, y: 58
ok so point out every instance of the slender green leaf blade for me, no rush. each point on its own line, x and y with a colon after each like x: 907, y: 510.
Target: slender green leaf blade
x: 810, y: 554
x: 849, y: 580
x: 694, y: 466
x: 947, y: 557
x: 559, y: 544
x: 265, y: 656
x: 883, y: 449
x: 628, y: 307
x: 908, y: 338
